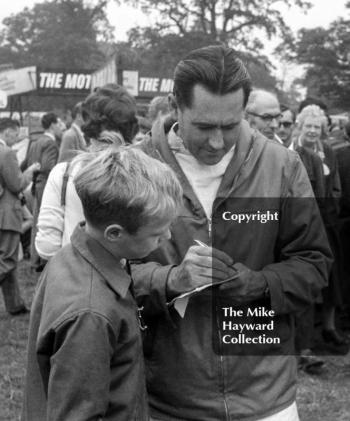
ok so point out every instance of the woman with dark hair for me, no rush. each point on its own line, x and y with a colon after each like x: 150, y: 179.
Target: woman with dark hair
x: 109, y: 115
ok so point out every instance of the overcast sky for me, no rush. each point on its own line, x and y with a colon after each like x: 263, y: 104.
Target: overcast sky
x: 124, y: 17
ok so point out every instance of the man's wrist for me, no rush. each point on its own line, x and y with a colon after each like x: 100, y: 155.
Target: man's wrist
x: 266, y: 290
x: 171, y: 290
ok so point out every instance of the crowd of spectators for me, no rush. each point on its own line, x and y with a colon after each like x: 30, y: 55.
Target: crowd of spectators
x: 280, y: 151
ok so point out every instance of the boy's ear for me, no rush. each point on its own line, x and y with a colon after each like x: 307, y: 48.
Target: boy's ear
x: 113, y: 232
x: 173, y: 107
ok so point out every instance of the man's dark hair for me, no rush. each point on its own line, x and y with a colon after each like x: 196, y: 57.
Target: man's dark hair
x: 77, y: 109
x: 285, y: 107
x: 8, y: 123
x: 48, y: 119
x: 216, y: 68
x: 110, y: 107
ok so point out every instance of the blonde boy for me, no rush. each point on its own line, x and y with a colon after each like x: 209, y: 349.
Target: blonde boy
x: 84, y: 355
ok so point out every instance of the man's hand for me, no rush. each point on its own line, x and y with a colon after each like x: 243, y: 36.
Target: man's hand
x: 200, y: 266
x: 248, y: 286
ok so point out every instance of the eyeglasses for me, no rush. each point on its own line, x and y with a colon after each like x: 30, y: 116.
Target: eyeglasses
x: 266, y: 117
x: 285, y: 124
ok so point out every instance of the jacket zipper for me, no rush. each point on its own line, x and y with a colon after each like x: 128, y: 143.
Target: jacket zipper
x: 222, y: 367
x: 217, y: 324
x: 209, y: 229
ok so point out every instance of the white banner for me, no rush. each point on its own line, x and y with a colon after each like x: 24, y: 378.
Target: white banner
x: 3, y: 99
x: 131, y: 81
x: 18, y: 81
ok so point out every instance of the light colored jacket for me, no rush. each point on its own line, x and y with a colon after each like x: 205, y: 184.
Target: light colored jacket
x: 56, y: 223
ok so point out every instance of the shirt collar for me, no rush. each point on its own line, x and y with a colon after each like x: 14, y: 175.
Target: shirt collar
x: 50, y: 135
x: 102, y: 260
x: 2, y: 142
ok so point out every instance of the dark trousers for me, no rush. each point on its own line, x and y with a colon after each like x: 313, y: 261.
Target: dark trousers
x: 9, y: 243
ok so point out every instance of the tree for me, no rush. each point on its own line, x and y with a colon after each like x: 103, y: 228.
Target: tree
x: 61, y: 33
x: 155, y: 53
x: 325, y: 54
x: 233, y: 22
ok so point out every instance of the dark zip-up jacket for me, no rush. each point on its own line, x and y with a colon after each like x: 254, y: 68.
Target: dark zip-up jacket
x: 85, y: 351
x: 186, y: 379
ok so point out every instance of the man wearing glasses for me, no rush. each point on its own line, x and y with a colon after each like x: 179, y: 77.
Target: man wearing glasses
x: 286, y: 127
x: 263, y: 113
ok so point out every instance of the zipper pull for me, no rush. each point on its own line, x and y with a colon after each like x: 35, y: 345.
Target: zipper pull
x: 209, y: 227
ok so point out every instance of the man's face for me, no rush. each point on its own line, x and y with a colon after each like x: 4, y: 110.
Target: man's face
x: 311, y: 130
x: 264, y: 115
x: 210, y: 126
x: 286, y: 126
x: 146, y: 240
x: 11, y: 136
x: 58, y: 128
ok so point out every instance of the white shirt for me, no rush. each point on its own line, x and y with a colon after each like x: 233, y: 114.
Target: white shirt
x: 204, y: 179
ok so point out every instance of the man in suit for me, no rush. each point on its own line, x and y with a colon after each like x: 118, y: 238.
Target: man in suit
x: 45, y: 151
x: 73, y: 139
x: 12, y: 182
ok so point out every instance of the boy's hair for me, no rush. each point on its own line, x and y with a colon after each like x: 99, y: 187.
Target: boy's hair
x: 127, y: 187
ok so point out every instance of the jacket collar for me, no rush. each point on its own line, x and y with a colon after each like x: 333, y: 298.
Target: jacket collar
x: 101, y: 260
x: 50, y: 135
x: 243, y: 149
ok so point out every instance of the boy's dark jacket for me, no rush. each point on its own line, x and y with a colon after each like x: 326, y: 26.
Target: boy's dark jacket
x: 186, y: 379
x: 84, y: 352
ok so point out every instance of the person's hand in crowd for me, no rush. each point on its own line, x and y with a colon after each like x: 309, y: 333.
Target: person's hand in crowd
x: 200, y: 266
x: 248, y: 286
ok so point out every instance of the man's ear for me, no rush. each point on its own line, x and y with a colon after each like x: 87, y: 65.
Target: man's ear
x: 113, y: 232
x: 173, y: 107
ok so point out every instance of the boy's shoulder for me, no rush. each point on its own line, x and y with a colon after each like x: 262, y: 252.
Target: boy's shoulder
x: 73, y: 286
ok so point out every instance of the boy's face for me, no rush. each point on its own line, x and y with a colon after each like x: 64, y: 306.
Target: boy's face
x: 146, y: 239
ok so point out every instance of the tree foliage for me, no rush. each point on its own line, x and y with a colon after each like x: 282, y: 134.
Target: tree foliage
x: 325, y: 52
x: 154, y: 53
x: 237, y: 23
x: 61, y: 33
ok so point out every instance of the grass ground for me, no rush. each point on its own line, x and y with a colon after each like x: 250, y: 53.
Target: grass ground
x: 320, y: 398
